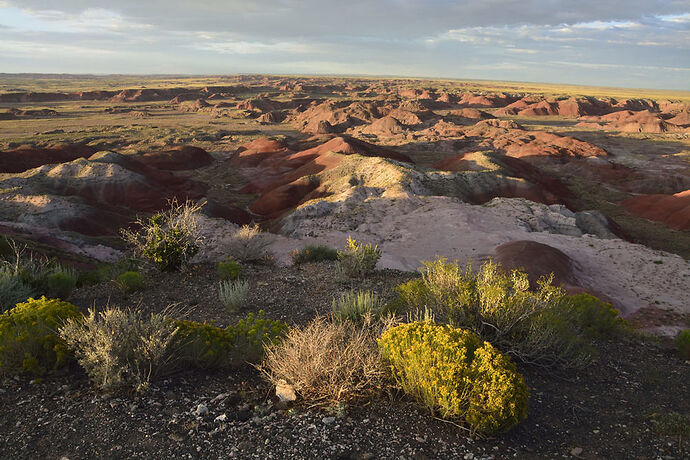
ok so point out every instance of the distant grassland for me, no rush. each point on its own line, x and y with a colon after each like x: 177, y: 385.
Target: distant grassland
x: 73, y: 83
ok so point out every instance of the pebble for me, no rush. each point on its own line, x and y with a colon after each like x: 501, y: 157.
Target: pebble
x: 328, y: 420
x: 576, y: 451
x: 201, y: 409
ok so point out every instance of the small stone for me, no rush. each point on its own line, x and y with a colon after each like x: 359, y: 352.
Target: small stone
x: 220, y: 397
x: 221, y: 418
x: 328, y: 420
x: 576, y: 451
x: 201, y: 409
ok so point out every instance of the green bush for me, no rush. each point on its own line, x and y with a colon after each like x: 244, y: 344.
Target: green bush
x: 28, y: 336
x: 597, y: 319
x: 228, y: 270
x: 129, y: 281
x: 203, y: 346
x: 168, y: 239
x: 61, y: 282
x: 107, y: 272
x: 313, y: 253
x: 358, y: 260
x: 541, y: 327
x: 453, y: 372
x: 121, y: 347
x: 252, y: 334
x: 355, y: 306
x: 206, y: 346
x: 683, y: 343
x: 413, y: 295
x: 24, y: 277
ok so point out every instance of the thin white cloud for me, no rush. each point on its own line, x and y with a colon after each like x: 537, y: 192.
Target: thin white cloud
x: 18, y: 48
x: 247, y: 47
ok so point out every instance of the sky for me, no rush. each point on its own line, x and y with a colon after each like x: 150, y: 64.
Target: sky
x: 622, y: 43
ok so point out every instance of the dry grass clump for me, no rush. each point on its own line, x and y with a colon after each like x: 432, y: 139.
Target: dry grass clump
x: 249, y: 244
x: 121, y: 347
x: 326, y: 361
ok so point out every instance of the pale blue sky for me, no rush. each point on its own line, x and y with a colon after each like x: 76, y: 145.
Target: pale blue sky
x: 633, y: 43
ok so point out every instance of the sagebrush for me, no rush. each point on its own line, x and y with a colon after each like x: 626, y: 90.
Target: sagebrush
x: 119, y: 348
x: 249, y: 244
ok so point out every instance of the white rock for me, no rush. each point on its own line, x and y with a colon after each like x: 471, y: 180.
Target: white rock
x: 285, y: 391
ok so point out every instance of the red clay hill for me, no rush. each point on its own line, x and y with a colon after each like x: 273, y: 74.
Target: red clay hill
x: 281, y: 175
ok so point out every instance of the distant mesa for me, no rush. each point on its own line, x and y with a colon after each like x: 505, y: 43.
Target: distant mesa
x: 17, y: 114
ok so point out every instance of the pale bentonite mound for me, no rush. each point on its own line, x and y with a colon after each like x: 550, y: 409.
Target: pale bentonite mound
x: 401, y: 210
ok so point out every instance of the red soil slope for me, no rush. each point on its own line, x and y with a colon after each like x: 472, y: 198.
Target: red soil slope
x: 672, y: 210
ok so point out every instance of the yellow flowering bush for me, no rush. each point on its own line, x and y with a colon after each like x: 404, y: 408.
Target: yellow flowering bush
x: 28, y: 336
x: 453, y: 372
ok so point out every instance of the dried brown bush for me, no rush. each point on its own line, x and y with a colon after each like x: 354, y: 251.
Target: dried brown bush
x: 326, y: 361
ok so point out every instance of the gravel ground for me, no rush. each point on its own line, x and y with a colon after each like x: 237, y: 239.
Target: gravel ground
x: 611, y: 409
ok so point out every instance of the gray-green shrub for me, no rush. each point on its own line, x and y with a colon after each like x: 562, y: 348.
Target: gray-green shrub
x: 248, y: 244
x: 120, y: 348
x: 541, y: 326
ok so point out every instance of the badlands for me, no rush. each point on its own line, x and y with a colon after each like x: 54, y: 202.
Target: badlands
x: 591, y: 185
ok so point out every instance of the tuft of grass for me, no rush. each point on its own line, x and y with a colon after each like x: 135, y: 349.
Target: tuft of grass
x: 357, y: 306
x: 233, y: 294
x: 683, y: 343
